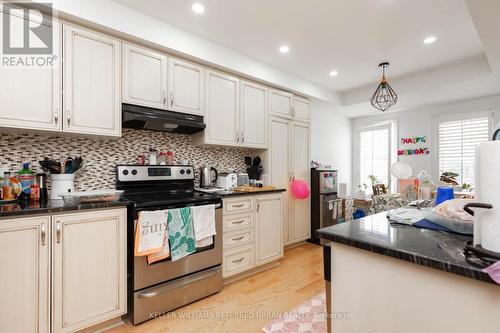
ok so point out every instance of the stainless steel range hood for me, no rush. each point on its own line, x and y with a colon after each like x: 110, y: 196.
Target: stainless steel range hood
x: 139, y: 117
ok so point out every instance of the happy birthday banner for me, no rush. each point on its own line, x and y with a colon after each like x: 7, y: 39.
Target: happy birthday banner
x: 414, y: 151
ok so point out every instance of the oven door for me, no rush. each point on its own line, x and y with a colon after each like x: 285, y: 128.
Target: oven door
x: 165, y: 270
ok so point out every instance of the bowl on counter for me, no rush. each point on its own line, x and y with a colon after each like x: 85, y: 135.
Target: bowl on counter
x: 75, y: 198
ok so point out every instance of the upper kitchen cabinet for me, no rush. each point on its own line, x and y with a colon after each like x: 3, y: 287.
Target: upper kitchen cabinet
x: 301, y: 110
x: 289, y: 106
x: 30, y: 96
x: 221, y: 110
x: 144, y: 77
x: 281, y: 103
x: 186, y: 87
x: 92, y: 101
x: 253, y: 115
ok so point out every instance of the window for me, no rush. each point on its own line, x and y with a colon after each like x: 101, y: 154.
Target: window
x: 456, y: 141
x: 375, y: 154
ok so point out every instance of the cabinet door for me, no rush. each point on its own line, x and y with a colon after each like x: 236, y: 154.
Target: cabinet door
x: 144, y: 77
x: 269, y: 228
x: 281, y: 103
x: 30, y: 96
x: 186, y: 86
x: 92, y: 103
x: 279, y: 165
x: 89, y: 268
x: 300, y: 209
x: 222, y: 109
x: 253, y: 114
x: 301, y: 109
x: 24, y: 278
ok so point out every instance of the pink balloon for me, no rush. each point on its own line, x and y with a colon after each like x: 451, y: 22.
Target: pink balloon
x: 300, y: 189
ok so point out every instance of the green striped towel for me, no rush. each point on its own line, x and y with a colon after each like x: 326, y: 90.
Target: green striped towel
x: 180, y: 233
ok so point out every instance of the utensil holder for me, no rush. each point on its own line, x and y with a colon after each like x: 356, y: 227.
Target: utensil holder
x: 61, y: 184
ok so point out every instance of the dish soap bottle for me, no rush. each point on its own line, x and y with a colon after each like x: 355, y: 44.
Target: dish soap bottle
x: 27, y: 177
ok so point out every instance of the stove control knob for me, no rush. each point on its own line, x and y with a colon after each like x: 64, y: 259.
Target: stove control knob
x: 182, y: 171
x: 134, y: 172
x: 188, y: 171
x: 125, y: 172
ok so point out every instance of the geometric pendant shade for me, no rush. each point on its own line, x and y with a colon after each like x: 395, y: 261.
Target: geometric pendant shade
x: 384, y: 97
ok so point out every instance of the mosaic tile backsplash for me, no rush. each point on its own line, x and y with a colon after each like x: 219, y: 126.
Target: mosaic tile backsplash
x: 101, y: 155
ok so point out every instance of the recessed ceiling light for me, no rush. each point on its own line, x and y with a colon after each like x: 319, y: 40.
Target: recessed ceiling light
x: 198, y: 8
x: 430, y: 40
x: 334, y: 73
x: 284, y: 49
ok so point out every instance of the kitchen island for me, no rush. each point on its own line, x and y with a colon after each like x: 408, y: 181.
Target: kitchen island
x: 391, y: 278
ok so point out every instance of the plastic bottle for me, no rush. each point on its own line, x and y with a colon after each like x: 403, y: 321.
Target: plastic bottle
x: 8, y: 188
x: 27, y: 177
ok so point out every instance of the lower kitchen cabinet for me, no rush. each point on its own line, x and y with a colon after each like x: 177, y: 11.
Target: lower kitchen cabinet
x: 81, y: 285
x: 252, y: 232
x: 89, y: 268
x: 24, y: 277
x: 269, y: 218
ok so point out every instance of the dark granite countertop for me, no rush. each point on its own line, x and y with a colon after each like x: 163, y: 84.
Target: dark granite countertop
x: 435, y: 249
x: 225, y: 194
x: 23, y: 208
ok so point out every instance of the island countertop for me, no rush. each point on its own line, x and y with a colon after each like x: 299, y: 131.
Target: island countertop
x: 435, y: 249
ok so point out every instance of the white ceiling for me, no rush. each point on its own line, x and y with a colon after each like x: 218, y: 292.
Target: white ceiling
x: 349, y: 36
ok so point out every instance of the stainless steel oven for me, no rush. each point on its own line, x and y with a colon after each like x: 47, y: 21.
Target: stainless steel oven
x: 166, y: 285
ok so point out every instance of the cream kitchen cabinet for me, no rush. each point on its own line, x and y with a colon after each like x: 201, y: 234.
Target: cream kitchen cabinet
x: 269, y: 226
x: 252, y: 232
x: 186, y: 87
x: 288, y: 158
x: 144, y: 77
x: 89, y: 268
x: 253, y: 116
x: 25, y: 275
x: 289, y: 106
x: 92, y: 82
x: 30, y: 97
x: 221, y: 110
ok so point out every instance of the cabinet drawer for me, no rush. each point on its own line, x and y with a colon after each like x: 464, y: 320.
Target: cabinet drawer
x: 238, y: 205
x: 238, y: 260
x: 237, y: 222
x: 240, y: 237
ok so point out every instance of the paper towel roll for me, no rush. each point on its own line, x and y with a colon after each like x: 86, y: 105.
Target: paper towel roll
x: 487, y: 221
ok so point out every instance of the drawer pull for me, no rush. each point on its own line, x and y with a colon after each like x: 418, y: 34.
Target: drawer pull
x: 43, y: 234
x: 238, y: 222
x: 237, y: 261
x: 238, y: 206
x: 238, y: 238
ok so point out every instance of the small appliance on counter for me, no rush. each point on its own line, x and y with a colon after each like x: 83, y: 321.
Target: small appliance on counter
x: 326, y: 207
x: 208, y: 177
x: 227, y: 181
x: 254, y: 169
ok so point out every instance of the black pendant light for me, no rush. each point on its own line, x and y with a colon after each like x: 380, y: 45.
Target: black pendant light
x: 384, y: 97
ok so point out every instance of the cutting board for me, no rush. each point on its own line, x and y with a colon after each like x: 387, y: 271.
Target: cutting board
x: 249, y: 189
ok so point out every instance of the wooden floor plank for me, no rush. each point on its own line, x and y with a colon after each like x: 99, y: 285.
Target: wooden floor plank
x: 277, y: 290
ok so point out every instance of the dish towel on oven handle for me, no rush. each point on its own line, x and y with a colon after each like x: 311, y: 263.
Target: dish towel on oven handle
x: 180, y: 233
x: 150, y: 232
x: 204, y: 224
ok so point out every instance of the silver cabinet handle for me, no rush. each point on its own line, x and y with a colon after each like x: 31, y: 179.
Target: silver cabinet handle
x: 238, y: 206
x: 258, y: 207
x: 242, y: 137
x: 56, y: 116
x: 237, y: 137
x: 291, y: 111
x: 238, y: 260
x: 68, y: 117
x: 238, y: 222
x: 164, y: 95
x: 238, y: 238
x: 58, y: 232
x: 43, y: 234
x: 171, y: 98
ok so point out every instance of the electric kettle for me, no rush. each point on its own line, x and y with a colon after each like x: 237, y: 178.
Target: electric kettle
x: 208, y: 177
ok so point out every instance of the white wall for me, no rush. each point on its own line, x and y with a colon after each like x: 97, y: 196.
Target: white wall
x: 419, y: 122
x: 331, y: 139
